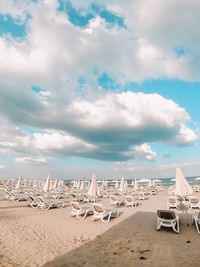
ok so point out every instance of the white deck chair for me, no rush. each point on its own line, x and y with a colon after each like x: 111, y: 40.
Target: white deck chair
x: 168, y: 218
x: 196, y: 219
x: 115, y: 201
x: 47, y: 203
x: 80, y: 212
x: 131, y: 201
x: 102, y: 214
x: 194, y: 202
x: 172, y: 202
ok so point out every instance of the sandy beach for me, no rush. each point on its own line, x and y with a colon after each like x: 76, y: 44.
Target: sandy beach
x: 32, y: 237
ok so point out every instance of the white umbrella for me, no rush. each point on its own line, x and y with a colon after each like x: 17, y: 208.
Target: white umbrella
x: 143, y: 181
x: 61, y: 184
x: 197, y: 179
x: 82, y: 187
x: 18, y: 184
x: 182, y: 188
x: 55, y: 185
x: 94, y: 189
x: 47, y: 184
x: 8, y: 182
x: 135, y: 185
x: 78, y: 185
x: 116, y: 184
x: 35, y: 183
x: 123, y: 186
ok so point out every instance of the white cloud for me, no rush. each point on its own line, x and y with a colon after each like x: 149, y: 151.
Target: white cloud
x: 28, y: 160
x: 57, y: 141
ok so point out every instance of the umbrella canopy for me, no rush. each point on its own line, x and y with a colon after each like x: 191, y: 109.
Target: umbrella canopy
x: 116, y: 184
x: 8, y: 181
x: 47, y: 184
x: 82, y: 187
x: 78, y: 185
x: 94, y: 189
x: 197, y: 179
x: 182, y: 187
x: 135, y: 185
x: 55, y: 185
x: 18, y: 184
x: 144, y: 181
x: 123, y: 186
x: 157, y: 181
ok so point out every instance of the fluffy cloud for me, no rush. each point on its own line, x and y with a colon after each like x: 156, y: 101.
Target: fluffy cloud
x: 55, y: 54
x: 149, y: 48
x: 116, y: 126
x: 28, y: 160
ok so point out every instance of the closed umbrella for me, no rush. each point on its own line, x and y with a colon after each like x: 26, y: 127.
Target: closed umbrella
x: 123, y: 186
x: 18, y: 184
x: 82, y: 187
x: 182, y: 189
x: 47, y: 184
x: 93, y: 189
x: 135, y: 185
x: 55, y: 185
x: 116, y: 184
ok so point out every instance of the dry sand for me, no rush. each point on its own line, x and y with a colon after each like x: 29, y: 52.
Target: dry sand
x: 135, y: 242
x: 31, y: 237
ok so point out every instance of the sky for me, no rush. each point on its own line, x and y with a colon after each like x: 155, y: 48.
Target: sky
x: 105, y: 87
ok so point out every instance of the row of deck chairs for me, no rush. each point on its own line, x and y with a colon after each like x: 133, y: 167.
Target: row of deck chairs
x: 193, y: 202
x: 46, y: 203
x: 39, y: 198
x: 169, y: 218
x: 98, y: 212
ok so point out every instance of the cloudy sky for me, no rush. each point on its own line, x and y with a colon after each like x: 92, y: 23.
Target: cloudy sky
x: 111, y: 87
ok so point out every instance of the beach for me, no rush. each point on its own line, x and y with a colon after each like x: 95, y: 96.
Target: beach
x: 32, y: 237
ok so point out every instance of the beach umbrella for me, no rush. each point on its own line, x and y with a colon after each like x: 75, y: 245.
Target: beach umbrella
x: 157, y: 181
x: 55, y: 185
x: 18, y: 184
x: 61, y: 184
x: 35, y: 183
x: 47, y: 184
x: 82, y: 187
x: 182, y: 187
x: 197, y: 179
x: 93, y: 189
x: 116, y: 184
x: 78, y: 185
x: 123, y: 186
x: 8, y: 182
x: 144, y: 181
x: 135, y: 185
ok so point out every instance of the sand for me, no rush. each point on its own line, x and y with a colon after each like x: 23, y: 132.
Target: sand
x: 32, y: 237
x: 135, y: 242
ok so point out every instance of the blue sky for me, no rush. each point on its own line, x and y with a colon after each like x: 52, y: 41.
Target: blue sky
x: 99, y: 87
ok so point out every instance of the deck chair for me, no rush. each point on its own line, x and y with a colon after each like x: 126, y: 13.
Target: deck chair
x: 47, y: 203
x: 194, y: 202
x: 105, y: 215
x: 131, y: 201
x: 80, y: 212
x: 196, y: 220
x: 172, y: 202
x: 115, y: 201
x: 167, y: 218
